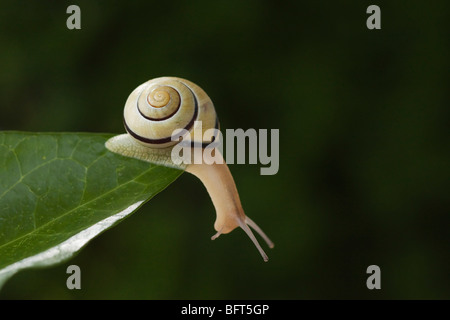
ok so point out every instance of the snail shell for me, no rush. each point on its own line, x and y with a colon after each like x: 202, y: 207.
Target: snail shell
x: 158, y: 107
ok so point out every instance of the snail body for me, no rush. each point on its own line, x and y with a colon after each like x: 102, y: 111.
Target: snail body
x: 164, y: 112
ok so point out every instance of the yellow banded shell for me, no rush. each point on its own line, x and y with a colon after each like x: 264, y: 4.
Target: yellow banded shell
x: 158, y: 107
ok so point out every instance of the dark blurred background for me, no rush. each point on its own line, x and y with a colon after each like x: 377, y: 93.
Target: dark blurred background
x: 364, y: 145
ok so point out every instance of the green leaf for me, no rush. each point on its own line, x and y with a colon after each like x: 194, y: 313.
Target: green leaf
x: 60, y: 190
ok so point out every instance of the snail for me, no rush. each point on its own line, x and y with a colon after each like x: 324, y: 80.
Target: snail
x: 167, y: 112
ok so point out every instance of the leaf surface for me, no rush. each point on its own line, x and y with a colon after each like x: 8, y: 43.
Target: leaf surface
x: 60, y: 190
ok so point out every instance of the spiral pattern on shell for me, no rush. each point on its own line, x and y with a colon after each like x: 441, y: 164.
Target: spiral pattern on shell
x: 155, y: 109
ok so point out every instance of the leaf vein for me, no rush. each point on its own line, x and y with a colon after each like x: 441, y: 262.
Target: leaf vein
x: 76, y: 208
